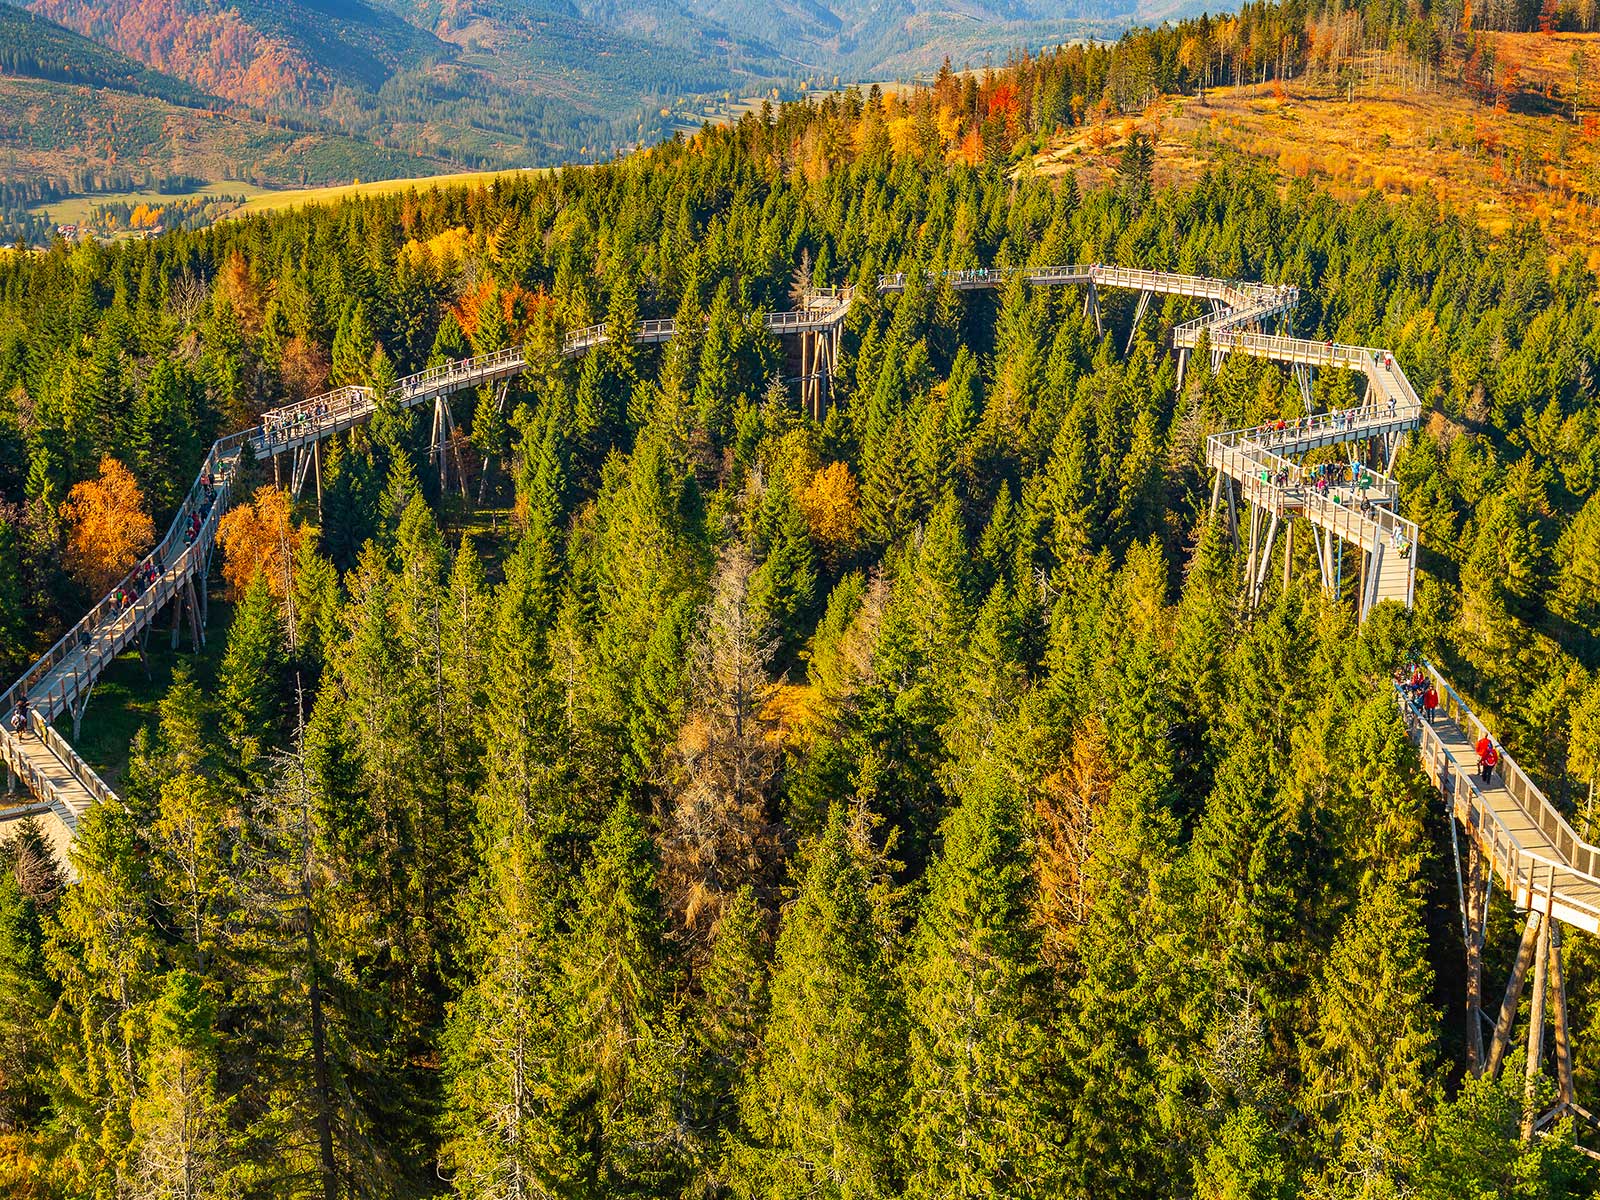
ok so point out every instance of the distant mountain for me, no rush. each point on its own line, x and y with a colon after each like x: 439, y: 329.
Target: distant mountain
x: 274, y: 54
x: 867, y: 39
x: 77, y: 116
x: 486, y: 83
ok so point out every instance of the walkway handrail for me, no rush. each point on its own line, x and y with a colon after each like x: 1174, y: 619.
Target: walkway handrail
x: 1583, y: 857
x: 107, y: 628
x: 1518, y: 864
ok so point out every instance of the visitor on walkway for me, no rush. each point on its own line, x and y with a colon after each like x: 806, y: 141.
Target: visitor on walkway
x: 19, y: 716
x: 1430, y: 702
x: 1488, y: 757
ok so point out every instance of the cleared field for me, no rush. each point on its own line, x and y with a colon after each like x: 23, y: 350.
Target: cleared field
x: 74, y: 210
x: 271, y: 201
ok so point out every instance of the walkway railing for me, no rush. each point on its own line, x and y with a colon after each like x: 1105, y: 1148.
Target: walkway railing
x: 68, y: 669
x: 1525, y: 871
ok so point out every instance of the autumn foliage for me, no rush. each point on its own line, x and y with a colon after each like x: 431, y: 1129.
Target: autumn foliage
x: 832, y: 507
x: 258, y: 537
x: 107, y: 527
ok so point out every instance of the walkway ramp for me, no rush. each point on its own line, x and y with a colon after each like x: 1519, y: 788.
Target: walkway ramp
x: 1538, y: 857
x: 60, y: 683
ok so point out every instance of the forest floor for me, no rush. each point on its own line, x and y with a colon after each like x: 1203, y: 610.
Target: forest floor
x: 1527, y: 160
x: 127, y: 699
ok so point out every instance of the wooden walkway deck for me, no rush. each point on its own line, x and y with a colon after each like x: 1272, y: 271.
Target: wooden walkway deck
x: 1538, y: 857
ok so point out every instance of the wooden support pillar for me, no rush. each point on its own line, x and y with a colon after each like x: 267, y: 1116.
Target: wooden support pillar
x: 197, y: 635
x: 1233, y: 515
x: 1541, y: 979
x: 277, y: 473
x: 1250, y: 560
x: 1138, y: 315
x: 1513, y: 997
x: 1477, y: 902
x: 1288, y: 550
x: 807, y: 400
x: 1263, y: 563
x: 1558, y: 999
x: 440, y: 445
x: 177, y: 616
x: 316, y: 465
x: 1183, y: 363
x: 1216, y: 493
x: 1091, y: 307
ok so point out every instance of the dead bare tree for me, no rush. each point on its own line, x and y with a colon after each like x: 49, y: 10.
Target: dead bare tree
x: 719, y: 835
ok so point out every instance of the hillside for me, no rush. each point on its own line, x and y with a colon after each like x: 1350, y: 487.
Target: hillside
x: 86, y: 139
x: 1533, y: 156
x: 33, y: 47
x: 279, y: 54
x: 487, y: 83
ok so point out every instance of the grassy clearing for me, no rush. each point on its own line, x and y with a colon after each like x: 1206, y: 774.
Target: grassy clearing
x: 126, y: 699
x: 74, y: 210
x: 269, y: 201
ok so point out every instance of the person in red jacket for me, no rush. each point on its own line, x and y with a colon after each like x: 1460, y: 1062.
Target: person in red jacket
x: 1430, y: 701
x: 1488, y: 756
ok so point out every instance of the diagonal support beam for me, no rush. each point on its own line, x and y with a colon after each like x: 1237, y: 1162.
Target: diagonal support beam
x: 1513, y: 997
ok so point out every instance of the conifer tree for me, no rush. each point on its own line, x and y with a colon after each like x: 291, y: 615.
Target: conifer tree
x: 29, y: 887
x: 1370, y: 1063
x: 823, y: 1107
x: 179, y: 1120
x: 250, y: 687
x: 979, y: 1111
x: 718, y: 835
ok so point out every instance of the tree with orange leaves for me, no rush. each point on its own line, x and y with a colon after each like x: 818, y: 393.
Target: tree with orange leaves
x: 259, y: 538
x: 107, y: 527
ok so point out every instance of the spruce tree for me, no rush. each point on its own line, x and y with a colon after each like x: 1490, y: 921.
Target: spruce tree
x: 179, y: 1119
x: 250, y: 684
x: 980, y: 1116
x: 822, y: 1110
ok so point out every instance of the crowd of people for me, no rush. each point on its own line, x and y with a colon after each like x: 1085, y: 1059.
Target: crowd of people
x: 287, y: 425
x: 201, y: 509
x: 137, y: 583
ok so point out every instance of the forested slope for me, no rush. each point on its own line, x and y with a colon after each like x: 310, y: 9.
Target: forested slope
x: 897, y: 807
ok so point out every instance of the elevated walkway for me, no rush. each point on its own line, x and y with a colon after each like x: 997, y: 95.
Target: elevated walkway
x: 173, y: 576
x: 1361, y: 515
x: 1537, y: 856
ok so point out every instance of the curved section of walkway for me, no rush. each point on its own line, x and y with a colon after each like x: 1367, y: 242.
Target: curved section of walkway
x: 173, y: 576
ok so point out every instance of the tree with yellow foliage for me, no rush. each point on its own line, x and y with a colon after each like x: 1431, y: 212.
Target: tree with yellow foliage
x: 831, y: 503
x: 259, y: 538
x: 107, y: 527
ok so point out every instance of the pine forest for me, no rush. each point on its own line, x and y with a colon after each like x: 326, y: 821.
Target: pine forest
x: 681, y: 796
